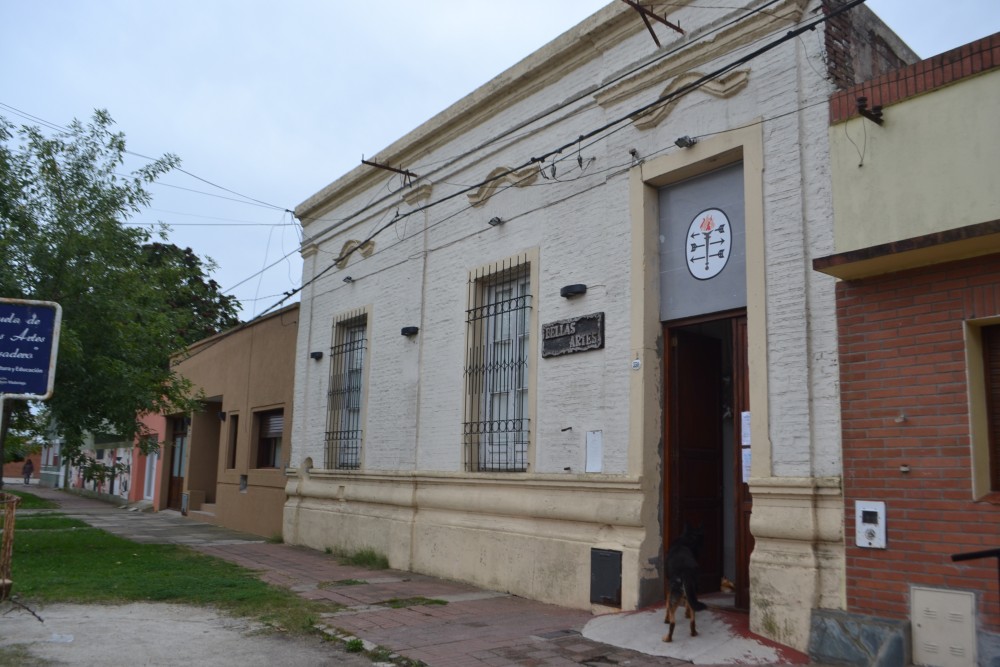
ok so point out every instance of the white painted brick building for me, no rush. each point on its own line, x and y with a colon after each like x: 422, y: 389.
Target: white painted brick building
x: 461, y: 451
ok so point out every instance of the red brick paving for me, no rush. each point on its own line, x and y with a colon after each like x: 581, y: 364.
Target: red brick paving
x: 476, y: 627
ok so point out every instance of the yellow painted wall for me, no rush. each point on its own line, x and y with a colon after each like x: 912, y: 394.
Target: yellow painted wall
x: 943, y: 145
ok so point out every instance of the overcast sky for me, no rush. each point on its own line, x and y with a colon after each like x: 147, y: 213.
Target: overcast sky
x: 276, y: 100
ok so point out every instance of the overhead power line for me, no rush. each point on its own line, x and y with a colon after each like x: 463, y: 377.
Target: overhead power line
x: 567, y: 103
x: 664, y: 99
x: 243, y: 198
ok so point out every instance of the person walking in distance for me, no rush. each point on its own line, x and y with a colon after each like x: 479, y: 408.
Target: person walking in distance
x: 27, y: 469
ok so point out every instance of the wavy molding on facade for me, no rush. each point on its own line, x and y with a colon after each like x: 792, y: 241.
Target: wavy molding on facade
x: 698, y: 53
x: 413, y: 196
x: 364, y: 249
x: 723, y: 87
x: 503, y: 176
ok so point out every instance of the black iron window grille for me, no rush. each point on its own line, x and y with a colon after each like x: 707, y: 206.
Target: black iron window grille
x: 347, y: 374
x: 497, y: 426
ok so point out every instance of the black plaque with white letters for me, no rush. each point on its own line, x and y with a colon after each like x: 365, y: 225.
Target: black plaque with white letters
x: 576, y: 334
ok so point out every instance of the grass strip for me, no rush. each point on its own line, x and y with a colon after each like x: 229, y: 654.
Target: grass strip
x: 366, y: 558
x: 341, y: 582
x: 400, y: 603
x: 88, y: 565
x: 30, y: 501
x: 47, y: 522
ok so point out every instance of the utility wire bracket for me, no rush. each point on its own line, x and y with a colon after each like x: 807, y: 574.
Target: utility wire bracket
x: 407, y: 174
x: 644, y: 13
x: 874, y: 114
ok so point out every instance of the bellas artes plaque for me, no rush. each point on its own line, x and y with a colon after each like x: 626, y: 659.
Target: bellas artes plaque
x: 577, y: 334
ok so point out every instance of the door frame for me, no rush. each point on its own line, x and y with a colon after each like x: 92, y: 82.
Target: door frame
x: 175, y: 489
x: 741, y: 501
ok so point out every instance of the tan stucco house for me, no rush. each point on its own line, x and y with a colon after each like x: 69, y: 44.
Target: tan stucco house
x: 225, y: 464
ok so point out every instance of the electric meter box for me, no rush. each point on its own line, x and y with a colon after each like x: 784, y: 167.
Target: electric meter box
x: 869, y: 524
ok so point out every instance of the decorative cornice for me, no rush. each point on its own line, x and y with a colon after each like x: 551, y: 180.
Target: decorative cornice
x: 544, y: 67
x: 364, y: 249
x: 308, y: 250
x: 723, y: 87
x: 503, y: 176
x: 699, y: 52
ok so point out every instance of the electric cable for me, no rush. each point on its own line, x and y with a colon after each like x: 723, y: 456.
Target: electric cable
x: 663, y: 99
x: 791, y: 34
x: 583, y: 95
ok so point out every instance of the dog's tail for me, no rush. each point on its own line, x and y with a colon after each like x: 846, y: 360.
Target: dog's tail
x: 690, y: 585
x: 690, y: 589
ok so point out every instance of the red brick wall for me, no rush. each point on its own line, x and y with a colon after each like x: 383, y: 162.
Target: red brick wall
x: 974, y: 58
x: 855, y: 49
x: 902, y: 351
x: 13, y: 469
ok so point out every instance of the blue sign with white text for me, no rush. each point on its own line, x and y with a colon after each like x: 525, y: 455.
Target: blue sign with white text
x: 29, y: 335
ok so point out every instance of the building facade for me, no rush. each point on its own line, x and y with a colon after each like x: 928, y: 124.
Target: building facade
x: 917, y: 240
x: 582, y: 316
x: 108, y: 471
x: 225, y: 464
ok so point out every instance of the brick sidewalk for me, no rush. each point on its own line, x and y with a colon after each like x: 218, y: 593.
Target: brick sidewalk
x: 475, y: 627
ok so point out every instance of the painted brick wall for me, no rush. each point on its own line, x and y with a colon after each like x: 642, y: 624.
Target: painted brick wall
x: 902, y: 352
x: 581, y: 227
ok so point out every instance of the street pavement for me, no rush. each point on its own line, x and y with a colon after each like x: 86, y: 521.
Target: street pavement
x: 476, y: 627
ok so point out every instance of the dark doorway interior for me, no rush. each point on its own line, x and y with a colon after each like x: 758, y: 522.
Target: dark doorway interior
x: 178, y: 463
x: 706, y: 394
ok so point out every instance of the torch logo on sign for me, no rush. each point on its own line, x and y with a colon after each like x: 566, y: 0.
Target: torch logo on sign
x: 710, y: 238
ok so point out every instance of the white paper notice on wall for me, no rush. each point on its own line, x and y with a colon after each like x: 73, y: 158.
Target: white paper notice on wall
x: 745, y: 429
x: 595, y: 451
x: 746, y: 464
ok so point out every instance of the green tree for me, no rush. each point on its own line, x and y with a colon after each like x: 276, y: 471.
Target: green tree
x: 20, y: 440
x: 201, y: 308
x: 128, y: 301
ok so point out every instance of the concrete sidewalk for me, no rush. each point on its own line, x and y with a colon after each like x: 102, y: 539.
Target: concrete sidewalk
x: 476, y: 627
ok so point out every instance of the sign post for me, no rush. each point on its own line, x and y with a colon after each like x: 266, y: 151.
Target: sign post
x: 29, y: 344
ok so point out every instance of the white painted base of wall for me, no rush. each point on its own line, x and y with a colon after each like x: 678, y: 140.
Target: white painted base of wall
x: 530, y: 535
x: 798, y: 562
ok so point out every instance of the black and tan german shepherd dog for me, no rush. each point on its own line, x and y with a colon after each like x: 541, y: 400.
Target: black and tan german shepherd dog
x: 682, y: 578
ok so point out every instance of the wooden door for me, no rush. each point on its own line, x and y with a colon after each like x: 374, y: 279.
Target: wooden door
x: 695, y: 478
x: 744, y: 501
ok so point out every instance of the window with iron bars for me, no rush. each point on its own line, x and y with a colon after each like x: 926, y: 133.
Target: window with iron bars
x: 347, y: 376
x: 497, y: 425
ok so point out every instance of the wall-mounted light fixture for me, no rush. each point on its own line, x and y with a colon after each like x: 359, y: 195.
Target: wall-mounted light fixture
x: 409, y: 331
x: 348, y: 280
x: 317, y: 355
x: 496, y: 220
x: 573, y: 290
x: 685, y: 142
x: 222, y: 416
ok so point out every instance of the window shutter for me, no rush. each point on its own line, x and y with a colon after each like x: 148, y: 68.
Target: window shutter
x: 272, y: 424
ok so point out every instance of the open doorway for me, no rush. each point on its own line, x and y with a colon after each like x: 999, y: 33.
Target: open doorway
x: 178, y: 462
x: 704, y: 485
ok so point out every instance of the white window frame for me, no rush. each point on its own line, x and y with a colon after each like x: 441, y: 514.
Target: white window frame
x: 500, y: 366
x: 347, y: 393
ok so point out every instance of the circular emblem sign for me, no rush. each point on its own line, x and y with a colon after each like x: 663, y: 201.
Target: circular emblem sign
x: 709, y: 239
